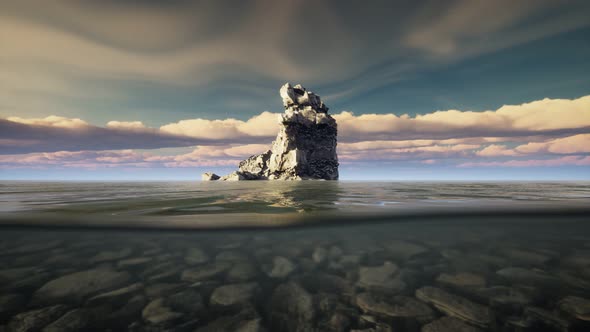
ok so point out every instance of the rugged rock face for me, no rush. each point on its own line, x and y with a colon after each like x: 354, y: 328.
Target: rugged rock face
x: 209, y: 176
x: 305, y: 147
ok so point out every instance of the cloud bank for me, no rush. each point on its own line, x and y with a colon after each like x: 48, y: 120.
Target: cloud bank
x: 55, y: 133
x: 535, y: 132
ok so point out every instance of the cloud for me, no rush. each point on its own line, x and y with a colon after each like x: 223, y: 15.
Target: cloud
x: 562, y: 161
x: 201, y: 156
x: 471, y: 27
x: 542, y: 117
x: 77, y: 159
x: 51, y: 121
x: 576, y: 144
x: 377, y: 151
x: 566, y: 145
x: 262, y: 125
x: 533, y: 122
x: 58, y: 134
x: 496, y: 150
x: 130, y: 125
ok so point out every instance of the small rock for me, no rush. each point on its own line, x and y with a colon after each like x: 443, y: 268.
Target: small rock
x: 517, y: 323
x: 134, y: 262
x: 326, y: 303
x: 232, y: 256
x: 579, y: 259
x: 195, y: 256
x: 281, y: 267
x: 35, y: 320
x: 403, y: 250
x: 502, y: 297
x: 235, y: 294
x: 339, y: 322
x: 576, y: 307
x: 319, y: 255
x: 455, y: 306
x: 170, y: 275
x: 461, y: 280
x: 242, y: 271
x: 158, y: 268
x: 381, y: 278
x: 74, y: 320
x: 325, y: 282
x: 448, y: 324
x: 121, y: 318
x: 205, y: 272
x: 157, y: 313
x: 547, y: 318
x: 291, y: 309
x: 521, y: 256
x: 187, y: 301
x: 526, y: 276
x: 115, y: 296
x: 162, y: 289
x: 22, y: 279
x: 345, y: 262
x: 208, y: 176
x: 77, y: 286
x: 233, y: 176
x: 395, y: 307
x: 580, y: 284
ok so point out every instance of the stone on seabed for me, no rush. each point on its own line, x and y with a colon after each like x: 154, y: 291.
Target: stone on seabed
x: 305, y: 147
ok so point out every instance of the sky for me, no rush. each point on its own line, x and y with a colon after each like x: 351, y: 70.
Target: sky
x: 421, y: 90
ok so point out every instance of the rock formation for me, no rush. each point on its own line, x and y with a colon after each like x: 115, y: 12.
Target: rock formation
x: 305, y: 147
x: 208, y: 176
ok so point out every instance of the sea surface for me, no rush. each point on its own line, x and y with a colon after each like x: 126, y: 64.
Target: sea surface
x: 294, y: 256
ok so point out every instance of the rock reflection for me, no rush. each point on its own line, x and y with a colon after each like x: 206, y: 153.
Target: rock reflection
x: 282, y: 196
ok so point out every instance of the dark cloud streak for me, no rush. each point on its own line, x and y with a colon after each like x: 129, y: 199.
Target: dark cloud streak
x: 18, y: 138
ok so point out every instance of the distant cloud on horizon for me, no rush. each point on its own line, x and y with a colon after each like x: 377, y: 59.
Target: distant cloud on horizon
x: 542, y: 128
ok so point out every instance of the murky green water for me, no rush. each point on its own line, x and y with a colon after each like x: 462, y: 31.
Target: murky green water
x: 306, y: 256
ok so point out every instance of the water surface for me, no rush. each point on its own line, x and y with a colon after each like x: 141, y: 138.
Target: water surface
x: 294, y: 256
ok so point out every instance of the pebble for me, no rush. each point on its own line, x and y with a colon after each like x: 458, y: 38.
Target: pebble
x: 381, y: 278
x: 455, y: 306
x: 35, y: 320
x: 195, y: 256
x: 448, y: 324
x: 281, y: 267
x: 233, y: 294
x: 77, y: 286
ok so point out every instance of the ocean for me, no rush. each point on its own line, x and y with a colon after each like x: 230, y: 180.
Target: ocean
x: 295, y: 256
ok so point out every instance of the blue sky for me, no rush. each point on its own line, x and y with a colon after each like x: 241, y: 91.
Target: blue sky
x: 169, y: 89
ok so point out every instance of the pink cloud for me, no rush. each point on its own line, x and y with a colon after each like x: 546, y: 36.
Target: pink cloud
x: 496, y: 150
x: 563, y: 161
x: 547, y: 118
x: 200, y: 156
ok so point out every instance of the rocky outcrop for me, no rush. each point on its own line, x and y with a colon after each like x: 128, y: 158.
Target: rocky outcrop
x: 305, y: 147
x: 208, y: 176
